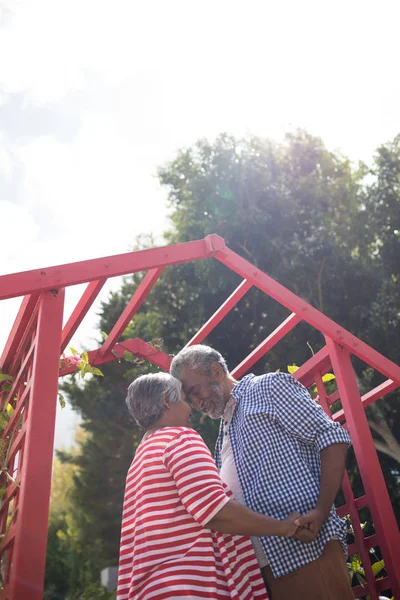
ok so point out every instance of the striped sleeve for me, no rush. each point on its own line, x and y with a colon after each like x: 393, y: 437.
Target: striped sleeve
x: 199, y: 486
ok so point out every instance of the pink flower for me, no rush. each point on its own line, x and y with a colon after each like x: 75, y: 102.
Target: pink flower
x: 71, y: 361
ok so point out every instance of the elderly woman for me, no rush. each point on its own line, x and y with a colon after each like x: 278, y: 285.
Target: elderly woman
x: 182, y: 536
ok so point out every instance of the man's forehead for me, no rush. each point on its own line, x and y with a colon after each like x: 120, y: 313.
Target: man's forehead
x: 190, y: 378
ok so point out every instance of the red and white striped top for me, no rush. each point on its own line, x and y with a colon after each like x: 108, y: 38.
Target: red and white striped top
x: 172, y: 490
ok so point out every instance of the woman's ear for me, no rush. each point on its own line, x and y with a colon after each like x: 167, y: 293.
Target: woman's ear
x: 165, y: 399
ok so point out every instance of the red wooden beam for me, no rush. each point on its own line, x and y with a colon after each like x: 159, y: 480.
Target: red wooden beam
x: 88, y: 297
x: 38, y: 280
x: 273, y: 338
x: 222, y: 311
x: 133, y: 306
x: 136, y: 346
x: 309, y: 314
x: 27, y: 568
x: 27, y: 308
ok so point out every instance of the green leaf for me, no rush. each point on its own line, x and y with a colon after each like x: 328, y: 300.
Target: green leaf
x: 3, y: 421
x: 4, y: 377
x: 328, y: 377
x: 7, y: 387
x: 3, y: 490
x: 157, y: 343
x: 128, y: 356
x: 74, y: 352
x: 104, y: 334
x: 377, y: 567
x: 292, y: 369
x: 97, y: 371
x: 356, y: 565
x: 85, y: 357
x: 61, y: 400
x: 9, y: 409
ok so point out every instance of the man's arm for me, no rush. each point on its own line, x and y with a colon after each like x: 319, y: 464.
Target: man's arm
x: 301, y: 417
x: 333, y: 460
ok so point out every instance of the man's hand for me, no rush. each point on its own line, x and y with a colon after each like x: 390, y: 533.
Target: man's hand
x: 293, y: 530
x: 312, y: 522
x: 304, y: 535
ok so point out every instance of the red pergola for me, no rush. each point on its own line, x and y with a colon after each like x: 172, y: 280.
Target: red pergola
x: 32, y: 355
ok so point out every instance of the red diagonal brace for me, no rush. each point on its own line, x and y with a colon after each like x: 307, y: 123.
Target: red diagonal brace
x: 223, y: 310
x: 27, y: 308
x: 133, y: 306
x: 136, y: 346
x: 370, y: 397
x: 88, y: 297
x: 266, y: 345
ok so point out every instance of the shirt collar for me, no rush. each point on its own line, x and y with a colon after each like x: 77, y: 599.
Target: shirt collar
x: 229, y: 408
x: 240, y: 388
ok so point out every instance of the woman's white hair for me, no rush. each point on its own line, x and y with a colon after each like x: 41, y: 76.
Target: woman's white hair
x: 145, y: 397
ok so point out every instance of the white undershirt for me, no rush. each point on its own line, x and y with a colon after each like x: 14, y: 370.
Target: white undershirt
x: 230, y: 477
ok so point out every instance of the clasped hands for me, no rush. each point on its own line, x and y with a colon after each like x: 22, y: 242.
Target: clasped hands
x: 304, y: 527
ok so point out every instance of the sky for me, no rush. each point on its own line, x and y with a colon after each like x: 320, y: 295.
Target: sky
x: 95, y: 95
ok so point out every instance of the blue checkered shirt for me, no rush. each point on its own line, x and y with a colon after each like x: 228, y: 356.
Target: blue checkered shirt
x: 277, y: 432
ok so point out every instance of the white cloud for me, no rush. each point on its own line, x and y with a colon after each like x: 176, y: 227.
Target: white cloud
x: 20, y: 233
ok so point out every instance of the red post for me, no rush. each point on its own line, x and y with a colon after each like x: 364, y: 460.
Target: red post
x: 368, y: 463
x: 29, y: 554
x: 350, y: 503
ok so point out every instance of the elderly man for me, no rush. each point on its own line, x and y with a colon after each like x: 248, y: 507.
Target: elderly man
x: 278, y: 452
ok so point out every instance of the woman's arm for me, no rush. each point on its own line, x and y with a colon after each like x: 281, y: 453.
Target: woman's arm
x: 237, y: 519
x: 202, y: 493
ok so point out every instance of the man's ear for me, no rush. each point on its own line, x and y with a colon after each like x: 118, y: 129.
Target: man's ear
x: 216, y: 371
x: 164, y: 396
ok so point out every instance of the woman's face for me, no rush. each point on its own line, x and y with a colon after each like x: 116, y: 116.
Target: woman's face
x: 180, y: 413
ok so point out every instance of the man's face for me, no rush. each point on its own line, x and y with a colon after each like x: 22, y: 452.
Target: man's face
x: 205, y: 392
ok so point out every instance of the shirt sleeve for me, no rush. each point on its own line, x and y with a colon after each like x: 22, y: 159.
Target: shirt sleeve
x: 299, y: 414
x: 199, y: 486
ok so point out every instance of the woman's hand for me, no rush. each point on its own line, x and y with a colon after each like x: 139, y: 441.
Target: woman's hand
x: 289, y: 528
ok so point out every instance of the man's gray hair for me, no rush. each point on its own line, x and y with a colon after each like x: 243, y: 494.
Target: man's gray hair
x: 145, y: 397
x: 199, y: 358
